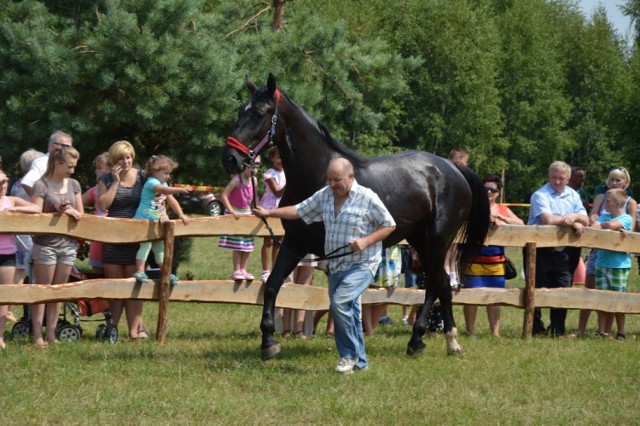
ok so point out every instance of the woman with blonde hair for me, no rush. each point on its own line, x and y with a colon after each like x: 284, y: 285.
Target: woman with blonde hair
x: 618, y: 178
x: 54, y: 255
x: 119, y: 193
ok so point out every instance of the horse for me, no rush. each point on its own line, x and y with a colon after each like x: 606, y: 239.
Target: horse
x: 431, y: 199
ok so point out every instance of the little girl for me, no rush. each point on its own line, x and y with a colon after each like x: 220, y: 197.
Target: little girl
x: 8, y: 243
x: 237, y: 197
x: 275, y: 182
x: 155, y: 193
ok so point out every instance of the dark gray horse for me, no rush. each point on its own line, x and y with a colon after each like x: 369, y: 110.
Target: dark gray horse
x: 431, y: 199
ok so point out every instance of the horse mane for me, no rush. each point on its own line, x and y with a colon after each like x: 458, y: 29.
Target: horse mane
x: 333, y: 143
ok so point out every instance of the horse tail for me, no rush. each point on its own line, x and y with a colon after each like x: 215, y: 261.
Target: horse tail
x: 476, y: 227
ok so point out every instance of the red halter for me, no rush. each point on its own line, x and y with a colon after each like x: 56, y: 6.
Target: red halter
x: 267, y: 140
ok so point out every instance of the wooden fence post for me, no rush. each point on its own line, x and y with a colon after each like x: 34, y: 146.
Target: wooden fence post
x: 529, y: 289
x: 165, y: 281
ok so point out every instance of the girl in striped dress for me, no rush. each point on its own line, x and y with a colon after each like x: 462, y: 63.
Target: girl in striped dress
x: 237, y: 198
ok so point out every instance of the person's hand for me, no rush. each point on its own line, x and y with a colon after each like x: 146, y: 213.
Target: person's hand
x: 70, y: 211
x: 115, y: 173
x: 357, y: 245
x: 184, y: 189
x: 164, y: 219
x: 578, y: 227
x: 185, y: 219
x: 260, y: 211
x: 568, y: 220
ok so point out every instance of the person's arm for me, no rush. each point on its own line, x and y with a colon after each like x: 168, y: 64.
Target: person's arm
x: 224, y: 196
x: 612, y: 225
x: 106, y: 195
x: 378, y: 234
x: 170, y: 190
x: 287, y: 212
x: 77, y: 211
x: 597, y: 203
x: 86, y: 198
x: 509, y: 218
x: 273, y: 186
x: 177, y: 209
x: 23, y: 206
x: 632, y: 210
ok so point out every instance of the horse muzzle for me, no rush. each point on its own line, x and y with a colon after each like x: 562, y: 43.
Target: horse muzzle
x: 232, y: 160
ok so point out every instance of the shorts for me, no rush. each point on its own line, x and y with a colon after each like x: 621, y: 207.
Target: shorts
x: 614, y: 279
x: 45, y: 255
x: 7, y: 260
x: 309, y: 260
x: 591, y: 262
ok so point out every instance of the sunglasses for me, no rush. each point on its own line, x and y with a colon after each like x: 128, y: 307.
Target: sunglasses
x: 492, y: 190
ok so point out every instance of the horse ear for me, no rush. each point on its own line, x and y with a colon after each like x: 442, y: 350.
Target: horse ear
x: 271, y: 85
x: 252, y: 87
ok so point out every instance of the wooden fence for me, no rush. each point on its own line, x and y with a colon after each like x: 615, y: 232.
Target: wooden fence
x: 110, y: 230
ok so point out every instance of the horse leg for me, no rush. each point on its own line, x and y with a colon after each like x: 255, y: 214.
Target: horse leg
x: 416, y: 345
x: 285, y: 263
x: 450, y: 330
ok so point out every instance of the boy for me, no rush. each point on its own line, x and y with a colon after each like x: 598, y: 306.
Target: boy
x: 612, y: 268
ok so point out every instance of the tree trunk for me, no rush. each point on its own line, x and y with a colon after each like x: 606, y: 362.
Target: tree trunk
x: 278, y: 13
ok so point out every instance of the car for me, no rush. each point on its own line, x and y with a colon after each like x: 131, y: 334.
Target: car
x: 196, y: 201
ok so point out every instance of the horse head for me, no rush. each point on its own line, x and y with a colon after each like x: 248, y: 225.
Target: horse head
x: 255, y: 128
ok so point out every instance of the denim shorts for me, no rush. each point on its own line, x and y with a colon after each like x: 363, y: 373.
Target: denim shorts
x: 45, y: 255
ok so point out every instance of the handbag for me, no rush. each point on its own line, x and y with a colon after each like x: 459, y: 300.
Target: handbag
x: 510, y: 271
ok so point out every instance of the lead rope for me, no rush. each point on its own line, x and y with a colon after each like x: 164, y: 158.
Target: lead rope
x: 276, y: 240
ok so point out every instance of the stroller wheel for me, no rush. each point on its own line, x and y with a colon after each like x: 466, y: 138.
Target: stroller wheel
x: 69, y: 332
x: 101, y: 332
x: 21, y: 329
x: 111, y: 333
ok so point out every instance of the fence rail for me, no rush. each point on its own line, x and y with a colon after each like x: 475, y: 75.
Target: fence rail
x: 122, y: 231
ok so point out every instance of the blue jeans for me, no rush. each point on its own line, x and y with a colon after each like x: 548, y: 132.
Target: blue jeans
x: 345, y: 289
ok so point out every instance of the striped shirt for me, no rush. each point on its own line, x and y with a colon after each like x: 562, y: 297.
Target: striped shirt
x: 361, y: 214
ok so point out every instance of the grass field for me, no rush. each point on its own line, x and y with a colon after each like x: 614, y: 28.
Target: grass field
x: 209, y: 372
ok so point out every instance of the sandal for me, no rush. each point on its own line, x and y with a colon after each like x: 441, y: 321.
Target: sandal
x: 620, y: 336
x: 286, y: 334
x: 142, y: 334
x: 248, y: 276
x: 237, y: 275
x: 39, y: 342
x: 140, y: 276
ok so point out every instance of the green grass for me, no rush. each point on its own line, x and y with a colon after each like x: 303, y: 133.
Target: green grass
x: 209, y: 372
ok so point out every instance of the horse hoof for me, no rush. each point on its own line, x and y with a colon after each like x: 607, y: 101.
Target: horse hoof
x: 456, y: 352
x: 415, y: 352
x: 270, y: 352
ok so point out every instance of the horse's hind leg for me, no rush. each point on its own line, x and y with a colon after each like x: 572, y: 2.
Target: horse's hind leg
x: 285, y: 263
x: 450, y: 330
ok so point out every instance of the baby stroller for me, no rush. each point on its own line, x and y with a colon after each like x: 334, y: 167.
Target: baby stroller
x: 71, y: 330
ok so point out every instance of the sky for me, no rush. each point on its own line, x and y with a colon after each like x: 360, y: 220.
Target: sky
x: 620, y: 22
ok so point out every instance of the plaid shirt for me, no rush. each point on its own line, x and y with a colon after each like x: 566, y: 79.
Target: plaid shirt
x: 361, y: 214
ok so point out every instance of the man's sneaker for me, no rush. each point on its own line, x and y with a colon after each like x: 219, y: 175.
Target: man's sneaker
x: 345, y: 365
x: 356, y: 368
x: 140, y: 276
x: 405, y: 320
x: 173, y: 280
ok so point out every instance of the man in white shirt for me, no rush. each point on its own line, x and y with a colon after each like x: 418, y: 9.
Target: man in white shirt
x: 39, y: 165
